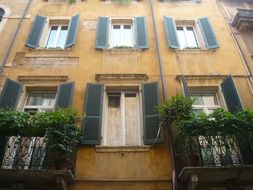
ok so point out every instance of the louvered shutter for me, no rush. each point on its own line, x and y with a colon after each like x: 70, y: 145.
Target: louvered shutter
x: 65, y: 95
x: 231, y: 95
x: 208, y: 33
x: 10, y: 94
x: 171, y: 32
x: 141, y: 34
x: 36, y: 32
x: 72, y: 31
x: 150, y: 97
x: 185, y: 87
x: 93, y: 114
x: 102, y: 33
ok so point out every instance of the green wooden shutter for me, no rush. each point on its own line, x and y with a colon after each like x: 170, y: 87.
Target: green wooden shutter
x: 141, y: 33
x: 231, y: 95
x: 36, y: 32
x: 150, y: 98
x: 185, y: 87
x: 208, y: 33
x: 72, y: 31
x: 93, y: 114
x: 10, y: 94
x: 102, y: 33
x: 171, y: 32
x: 65, y: 95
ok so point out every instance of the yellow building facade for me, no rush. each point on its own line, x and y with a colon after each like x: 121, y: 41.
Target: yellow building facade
x: 115, y: 63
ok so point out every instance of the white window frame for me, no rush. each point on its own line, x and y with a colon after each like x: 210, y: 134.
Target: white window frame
x: 53, y: 21
x: 122, y: 118
x: 121, y: 22
x: 39, y: 108
x: 185, y: 37
x: 57, y: 36
x: 206, y: 107
x: 197, y: 33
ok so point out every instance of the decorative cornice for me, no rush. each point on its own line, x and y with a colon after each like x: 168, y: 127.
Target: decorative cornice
x: 62, y: 78
x: 121, y: 77
x: 243, y: 17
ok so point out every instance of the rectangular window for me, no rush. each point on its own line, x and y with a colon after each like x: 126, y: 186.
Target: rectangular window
x: 122, y: 35
x: 57, y: 36
x: 39, y: 102
x: 187, y: 37
x: 122, y: 119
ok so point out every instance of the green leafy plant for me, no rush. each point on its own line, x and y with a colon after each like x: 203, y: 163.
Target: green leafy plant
x: 177, y: 108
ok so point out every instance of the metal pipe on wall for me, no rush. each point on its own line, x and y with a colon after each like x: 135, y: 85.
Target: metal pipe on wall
x: 14, y: 37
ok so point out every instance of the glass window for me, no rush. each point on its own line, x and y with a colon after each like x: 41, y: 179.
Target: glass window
x: 204, y: 101
x: 122, y: 119
x: 57, y: 36
x: 122, y: 35
x: 40, y: 101
x: 186, y: 36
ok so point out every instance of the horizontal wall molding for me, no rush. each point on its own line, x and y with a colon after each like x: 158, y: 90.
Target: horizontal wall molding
x: 62, y: 78
x: 121, y: 77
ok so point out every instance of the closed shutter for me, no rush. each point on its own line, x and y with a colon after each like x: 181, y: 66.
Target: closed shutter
x: 10, y: 94
x: 141, y: 33
x: 150, y: 97
x: 208, y: 33
x: 185, y: 87
x: 102, y: 33
x: 171, y: 32
x: 36, y: 32
x: 72, y: 31
x: 65, y: 95
x: 231, y: 95
x: 93, y: 114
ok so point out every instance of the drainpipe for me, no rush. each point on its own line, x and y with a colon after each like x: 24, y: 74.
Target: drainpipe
x: 174, y: 181
x: 14, y: 37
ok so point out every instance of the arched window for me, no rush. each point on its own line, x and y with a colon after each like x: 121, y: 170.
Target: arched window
x: 2, y: 12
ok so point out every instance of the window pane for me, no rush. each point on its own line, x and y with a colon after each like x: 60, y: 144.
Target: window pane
x: 34, y: 99
x: 190, y: 37
x: 62, y: 37
x: 116, y: 36
x: 52, y: 36
x: 48, y: 100
x: 131, y: 119
x: 198, y: 100
x: 113, y: 121
x: 127, y: 36
x: 181, y: 37
x: 211, y: 99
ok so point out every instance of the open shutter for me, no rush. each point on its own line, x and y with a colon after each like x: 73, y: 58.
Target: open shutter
x: 93, y: 114
x: 208, y: 33
x: 65, y: 95
x: 10, y: 94
x: 36, y: 32
x: 231, y: 95
x: 150, y: 97
x: 185, y: 87
x: 171, y: 32
x: 72, y: 31
x: 141, y: 34
x: 102, y: 33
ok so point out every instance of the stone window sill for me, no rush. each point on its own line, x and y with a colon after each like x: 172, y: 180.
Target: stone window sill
x: 121, y: 149
x: 122, y: 50
x: 193, y: 50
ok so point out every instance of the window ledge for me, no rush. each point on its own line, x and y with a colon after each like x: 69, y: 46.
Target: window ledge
x: 142, y: 148
x: 51, y: 49
x: 122, y: 50
x: 194, y: 50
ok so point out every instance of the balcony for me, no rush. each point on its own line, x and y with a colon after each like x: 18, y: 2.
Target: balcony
x: 243, y: 20
x: 213, y: 159
x: 27, y: 160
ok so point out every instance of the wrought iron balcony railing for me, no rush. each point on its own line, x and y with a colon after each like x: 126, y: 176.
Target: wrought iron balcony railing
x: 211, y: 151
x: 29, y: 153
